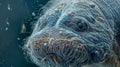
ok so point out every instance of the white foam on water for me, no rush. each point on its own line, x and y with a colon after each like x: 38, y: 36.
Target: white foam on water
x: 33, y: 14
x: 9, y: 7
x: 6, y: 28
x: 7, y: 23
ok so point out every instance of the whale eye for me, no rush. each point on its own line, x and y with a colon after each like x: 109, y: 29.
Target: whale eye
x: 78, y: 25
x: 81, y: 26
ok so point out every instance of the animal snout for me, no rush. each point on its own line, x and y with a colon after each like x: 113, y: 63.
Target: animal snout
x: 59, y: 50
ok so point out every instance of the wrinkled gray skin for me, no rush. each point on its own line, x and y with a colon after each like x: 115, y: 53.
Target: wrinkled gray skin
x: 75, y: 34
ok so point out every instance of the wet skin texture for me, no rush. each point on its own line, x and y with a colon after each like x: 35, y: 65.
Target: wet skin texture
x: 76, y: 33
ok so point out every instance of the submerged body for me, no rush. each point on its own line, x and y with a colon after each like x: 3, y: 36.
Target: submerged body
x: 76, y: 33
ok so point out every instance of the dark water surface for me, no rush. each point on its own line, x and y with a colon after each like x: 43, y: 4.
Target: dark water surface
x: 13, y: 13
